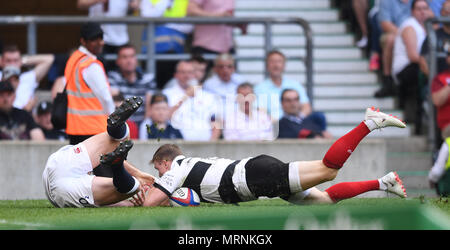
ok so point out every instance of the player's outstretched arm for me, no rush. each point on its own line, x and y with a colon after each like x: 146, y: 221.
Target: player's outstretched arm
x: 155, y: 197
x: 143, y: 178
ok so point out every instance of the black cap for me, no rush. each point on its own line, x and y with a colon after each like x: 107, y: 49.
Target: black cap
x: 91, y: 31
x: 6, y: 86
x: 44, y: 107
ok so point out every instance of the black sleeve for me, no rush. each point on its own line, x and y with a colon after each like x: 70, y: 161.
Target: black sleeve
x: 156, y: 185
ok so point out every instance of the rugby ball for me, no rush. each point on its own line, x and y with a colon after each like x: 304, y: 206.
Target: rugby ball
x: 184, y: 197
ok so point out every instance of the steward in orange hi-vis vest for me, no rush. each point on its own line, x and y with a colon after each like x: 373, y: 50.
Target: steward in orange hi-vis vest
x: 85, y: 113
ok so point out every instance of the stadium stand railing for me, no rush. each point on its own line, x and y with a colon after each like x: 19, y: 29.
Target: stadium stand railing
x: 31, y: 23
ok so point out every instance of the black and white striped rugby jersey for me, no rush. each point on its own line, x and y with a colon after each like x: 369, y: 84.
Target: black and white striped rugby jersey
x: 213, y: 179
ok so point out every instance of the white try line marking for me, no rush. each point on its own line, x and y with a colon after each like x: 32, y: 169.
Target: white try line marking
x: 26, y: 224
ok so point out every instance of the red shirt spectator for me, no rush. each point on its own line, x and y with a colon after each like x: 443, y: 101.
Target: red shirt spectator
x: 440, y: 90
x: 134, y: 130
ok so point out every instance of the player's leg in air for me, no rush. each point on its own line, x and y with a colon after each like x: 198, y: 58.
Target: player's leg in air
x: 111, y: 148
x: 313, y: 173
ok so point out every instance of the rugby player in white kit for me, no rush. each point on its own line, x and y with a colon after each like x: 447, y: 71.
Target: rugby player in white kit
x: 68, y: 179
x: 233, y: 181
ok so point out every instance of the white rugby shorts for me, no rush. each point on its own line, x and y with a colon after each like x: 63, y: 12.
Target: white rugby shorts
x: 68, y: 177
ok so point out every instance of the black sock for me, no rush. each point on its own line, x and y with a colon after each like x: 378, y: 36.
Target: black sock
x: 119, y: 133
x: 122, y: 180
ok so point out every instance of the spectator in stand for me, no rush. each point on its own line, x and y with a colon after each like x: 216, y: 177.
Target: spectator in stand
x: 115, y: 35
x: 129, y: 80
x: 118, y: 99
x: 27, y: 82
x: 360, y: 11
x: 11, y: 74
x: 391, y: 15
x: 16, y: 124
x: 169, y: 38
x: 194, y: 72
x: 269, y: 91
x: 43, y: 116
x: 295, y: 124
x: 442, y: 44
x: 200, y: 65
x: 375, y: 33
x: 213, y: 38
x: 440, y: 94
x: 225, y: 80
x: 88, y: 91
x: 184, y: 73
x: 193, y: 111
x: 244, y: 121
x: 405, y: 64
x: 158, y: 126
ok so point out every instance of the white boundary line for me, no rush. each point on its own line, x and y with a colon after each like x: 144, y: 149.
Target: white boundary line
x: 27, y: 225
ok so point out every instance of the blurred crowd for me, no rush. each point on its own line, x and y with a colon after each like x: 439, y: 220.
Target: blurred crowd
x: 393, y: 34
x: 194, y: 99
x: 198, y: 99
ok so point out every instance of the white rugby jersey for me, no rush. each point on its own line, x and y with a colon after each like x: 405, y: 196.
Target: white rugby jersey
x: 214, y: 179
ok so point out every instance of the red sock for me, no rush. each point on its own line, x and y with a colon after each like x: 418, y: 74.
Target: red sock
x: 347, y: 190
x: 339, y: 152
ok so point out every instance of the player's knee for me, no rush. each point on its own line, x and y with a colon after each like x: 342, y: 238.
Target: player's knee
x: 330, y: 174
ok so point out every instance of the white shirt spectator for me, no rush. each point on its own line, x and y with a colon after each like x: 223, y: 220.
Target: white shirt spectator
x: 400, y: 56
x: 25, y: 91
x: 193, y: 117
x: 217, y: 86
x: 239, y: 126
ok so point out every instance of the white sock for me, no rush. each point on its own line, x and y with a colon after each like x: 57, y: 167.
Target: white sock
x: 371, y: 125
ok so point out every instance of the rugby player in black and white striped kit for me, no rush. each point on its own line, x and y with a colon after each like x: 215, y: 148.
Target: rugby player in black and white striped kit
x: 233, y: 181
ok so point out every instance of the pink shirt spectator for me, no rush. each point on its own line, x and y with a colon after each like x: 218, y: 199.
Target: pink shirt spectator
x: 215, y: 37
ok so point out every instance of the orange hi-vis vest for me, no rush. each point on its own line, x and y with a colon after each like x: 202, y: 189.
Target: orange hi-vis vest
x: 85, y: 113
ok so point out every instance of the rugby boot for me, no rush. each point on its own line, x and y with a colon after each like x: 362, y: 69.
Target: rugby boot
x: 394, y: 184
x: 118, y: 155
x: 124, y: 111
x: 383, y: 120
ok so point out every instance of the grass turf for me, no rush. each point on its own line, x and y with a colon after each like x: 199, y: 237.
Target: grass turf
x: 393, y: 213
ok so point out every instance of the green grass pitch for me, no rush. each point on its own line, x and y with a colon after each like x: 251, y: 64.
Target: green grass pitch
x: 264, y: 214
